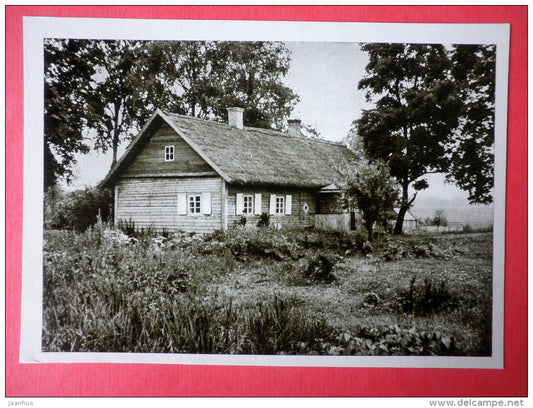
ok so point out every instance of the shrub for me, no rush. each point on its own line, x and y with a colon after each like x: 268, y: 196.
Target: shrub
x: 320, y: 269
x: 423, y: 299
x: 360, y: 239
x: 106, y: 291
x: 439, y: 219
x: 264, y: 220
x: 367, y: 248
x: 396, y: 248
x: 261, y: 243
x: 78, y: 210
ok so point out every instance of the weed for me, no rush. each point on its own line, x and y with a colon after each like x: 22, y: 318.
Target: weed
x: 106, y: 291
x: 394, y: 340
x: 320, y: 269
x: 429, y: 297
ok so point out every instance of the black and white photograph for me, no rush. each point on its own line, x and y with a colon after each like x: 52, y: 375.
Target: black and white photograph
x: 265, y: 197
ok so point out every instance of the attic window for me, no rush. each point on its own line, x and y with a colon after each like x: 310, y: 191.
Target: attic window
x: 169, y: 153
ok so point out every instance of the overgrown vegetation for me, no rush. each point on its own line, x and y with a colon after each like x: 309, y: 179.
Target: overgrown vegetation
x: 76, y: 210
x: 266, y: 291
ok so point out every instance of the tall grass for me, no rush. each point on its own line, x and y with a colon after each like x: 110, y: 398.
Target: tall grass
x: 107, y: 291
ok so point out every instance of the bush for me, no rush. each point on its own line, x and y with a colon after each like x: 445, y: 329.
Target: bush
x: 78, y: 210
x: 261, y: 243
x: 392, y: 249
x: 429, y: 297
x: 264, y: 220
x: 320, y: 269
x: 438, y: 219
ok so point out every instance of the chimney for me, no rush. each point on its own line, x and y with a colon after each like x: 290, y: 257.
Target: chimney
x: 294, y: 127
x: 235, y: 117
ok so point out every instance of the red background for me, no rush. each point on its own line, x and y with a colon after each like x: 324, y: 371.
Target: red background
x: 32, y: 380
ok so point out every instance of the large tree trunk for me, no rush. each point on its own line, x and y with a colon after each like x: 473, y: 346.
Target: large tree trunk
x: 398, y: 227
x: 404, y: 206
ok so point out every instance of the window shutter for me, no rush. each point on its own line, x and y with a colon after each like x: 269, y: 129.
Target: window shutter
x: 272, y: 209
x: 206, y: 203
x: 257, y: 204
x: 239, y: 204
x: 288, y: 205
x: 182, y: 204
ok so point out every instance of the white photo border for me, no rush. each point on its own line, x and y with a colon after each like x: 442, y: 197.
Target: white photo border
x: 36, y: 29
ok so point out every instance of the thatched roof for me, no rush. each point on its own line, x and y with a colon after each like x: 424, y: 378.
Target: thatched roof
x: 252, y: 155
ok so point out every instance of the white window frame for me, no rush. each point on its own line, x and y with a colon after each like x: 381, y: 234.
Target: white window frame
x: 280, y: 205
x: 169, y: 153
x: 247, y: 204
x: 194, y: 204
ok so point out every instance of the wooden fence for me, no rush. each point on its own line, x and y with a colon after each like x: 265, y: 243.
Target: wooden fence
x: 333, y: 222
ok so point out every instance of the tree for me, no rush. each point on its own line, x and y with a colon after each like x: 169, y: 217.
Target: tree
x: 92, y: 86
x: 439, y: 219
x: 107, y: 89
x: 369, y: 187
x: 68, y: 71
x: 119, y: 96
x: 206, y: 77
x: 416, y: 111
x: 472, y: 147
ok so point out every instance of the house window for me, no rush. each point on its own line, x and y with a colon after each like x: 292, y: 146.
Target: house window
x: 195, y: 204
x: 169, y: 153
x: 280, y: 205
x: 248, y: 204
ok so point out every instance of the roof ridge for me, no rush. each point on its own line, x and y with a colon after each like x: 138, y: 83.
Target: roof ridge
x: 277, y: 133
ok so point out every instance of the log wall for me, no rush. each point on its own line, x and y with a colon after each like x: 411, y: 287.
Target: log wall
x: 152, y: 203
x: 298, y: 217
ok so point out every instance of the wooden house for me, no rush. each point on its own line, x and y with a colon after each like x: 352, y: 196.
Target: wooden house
x: 196, y: 175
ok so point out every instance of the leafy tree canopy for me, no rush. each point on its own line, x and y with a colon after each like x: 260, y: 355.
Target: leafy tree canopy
x: 423, y: 115
x: 472, y: 145
x: 67, y: 72
x: 108, y: 89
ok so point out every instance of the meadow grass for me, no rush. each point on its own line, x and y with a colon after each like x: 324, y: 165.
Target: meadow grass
x: 263, y: 291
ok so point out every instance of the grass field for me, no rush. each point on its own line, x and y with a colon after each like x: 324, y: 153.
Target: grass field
x: 263, y: 291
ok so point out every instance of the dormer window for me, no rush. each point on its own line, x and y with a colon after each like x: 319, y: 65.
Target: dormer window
x: 169, y: 153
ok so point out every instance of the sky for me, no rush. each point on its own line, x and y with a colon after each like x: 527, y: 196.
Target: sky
x: 325, y: 76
